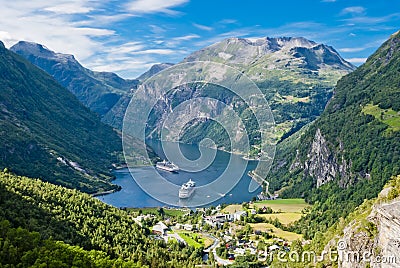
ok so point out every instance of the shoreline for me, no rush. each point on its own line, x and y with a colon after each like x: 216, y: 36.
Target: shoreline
x: 107, y: 192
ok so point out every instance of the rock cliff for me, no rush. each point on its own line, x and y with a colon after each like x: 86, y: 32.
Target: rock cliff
x: 375, y: 241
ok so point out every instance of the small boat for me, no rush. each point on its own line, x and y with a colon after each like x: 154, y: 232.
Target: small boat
x: 168, y: 166
x: 187, y: 189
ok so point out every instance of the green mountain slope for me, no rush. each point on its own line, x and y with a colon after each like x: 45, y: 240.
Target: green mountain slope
x: 99, y: 91
x: 350, y: 152
x: 89, y: 232
x: 46, y: 132
x: 296, y: 75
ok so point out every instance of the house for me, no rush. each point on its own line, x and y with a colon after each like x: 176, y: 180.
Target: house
x: 237, y: 216
x: 188, y: 227
x: 141, y: 218
x: 160, y: 229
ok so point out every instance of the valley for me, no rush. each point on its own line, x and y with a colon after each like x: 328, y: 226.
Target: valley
x: 183, y: 134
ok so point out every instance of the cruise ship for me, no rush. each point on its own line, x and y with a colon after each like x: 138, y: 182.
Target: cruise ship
x: 187, y: 189
x: 168, y: 166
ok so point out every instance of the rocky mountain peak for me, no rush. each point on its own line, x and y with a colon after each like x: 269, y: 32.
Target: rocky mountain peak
x: 38, y: 50
x: 2, y: 45
x: 270, y: 53
x: 272, y: 43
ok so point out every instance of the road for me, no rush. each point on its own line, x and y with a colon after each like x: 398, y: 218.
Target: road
x: 213, y: 248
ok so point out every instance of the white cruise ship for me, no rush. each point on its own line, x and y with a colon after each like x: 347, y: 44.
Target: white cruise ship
x: 187, y: 189
x: 168, y: 166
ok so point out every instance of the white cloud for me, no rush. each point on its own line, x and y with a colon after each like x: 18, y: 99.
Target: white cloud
x: 77, y: 7
x: 126, y: 48
x: 154, y: 6
x: 351, y: 49
x: 228, y: 21
x: 158, y: 51
x: 187, y: 37
x: 25, y: 20
x: 328, y: 1
x: 372, y: 20
x: 353, y: 10
x: 357, y: 60
x: 202, y: 27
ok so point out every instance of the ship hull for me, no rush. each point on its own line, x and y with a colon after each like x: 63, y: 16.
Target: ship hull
x: 186, y: 195
x: 175, y: 170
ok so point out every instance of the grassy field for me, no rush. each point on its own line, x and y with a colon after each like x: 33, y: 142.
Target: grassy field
x: 284, y: 218
x: 190, y: 239
x: 232, y: 209
x: 386, y: 116
x: 168, y: 212
x: 206, y: 241
x: 283, y: 205
x: 266, y: 227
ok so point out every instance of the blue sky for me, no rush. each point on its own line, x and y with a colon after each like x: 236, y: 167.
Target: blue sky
x: 127, y: 37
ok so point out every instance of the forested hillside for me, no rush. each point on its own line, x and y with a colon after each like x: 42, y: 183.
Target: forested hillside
x: 351, y: 151
x: 46, y: 132
x: 45, y: 214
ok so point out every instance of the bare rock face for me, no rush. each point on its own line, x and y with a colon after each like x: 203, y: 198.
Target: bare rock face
x: 322, y: 163
x: 375, y: 243
x: 387, y: 219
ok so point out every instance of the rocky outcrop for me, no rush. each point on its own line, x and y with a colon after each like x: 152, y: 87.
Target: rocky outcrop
x: 323, y: 163
x: 374, y: 243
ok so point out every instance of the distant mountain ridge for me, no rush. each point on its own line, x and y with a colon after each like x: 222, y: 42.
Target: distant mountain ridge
x: 296, y: 75
x: 273, y: 53
x: 154, y: 70
x: 99, y: 91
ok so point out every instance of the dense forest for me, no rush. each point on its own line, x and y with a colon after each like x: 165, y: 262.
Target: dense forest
x: 63, y: 227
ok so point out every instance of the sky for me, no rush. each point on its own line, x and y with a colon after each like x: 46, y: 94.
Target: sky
x: 129, y: 36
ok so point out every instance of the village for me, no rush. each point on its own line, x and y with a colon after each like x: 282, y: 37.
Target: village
x: 229, y: 234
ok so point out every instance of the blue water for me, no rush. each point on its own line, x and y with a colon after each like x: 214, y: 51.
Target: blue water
x: 132, y: 195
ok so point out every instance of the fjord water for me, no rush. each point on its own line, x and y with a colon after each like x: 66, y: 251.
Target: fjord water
x: 132, y: 194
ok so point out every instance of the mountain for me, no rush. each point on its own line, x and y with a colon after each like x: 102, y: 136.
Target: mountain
x: 45, y: 225
x: 46, y: 132
x: 156, y: 68
x: 289, y: 54
x: 99, y: 91
x: 348, y: 154
x: 297, y: 77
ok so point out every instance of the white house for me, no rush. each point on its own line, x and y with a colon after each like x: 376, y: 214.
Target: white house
x: 239, y: 214
x: 188, y: 227
x: 160, y: 228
